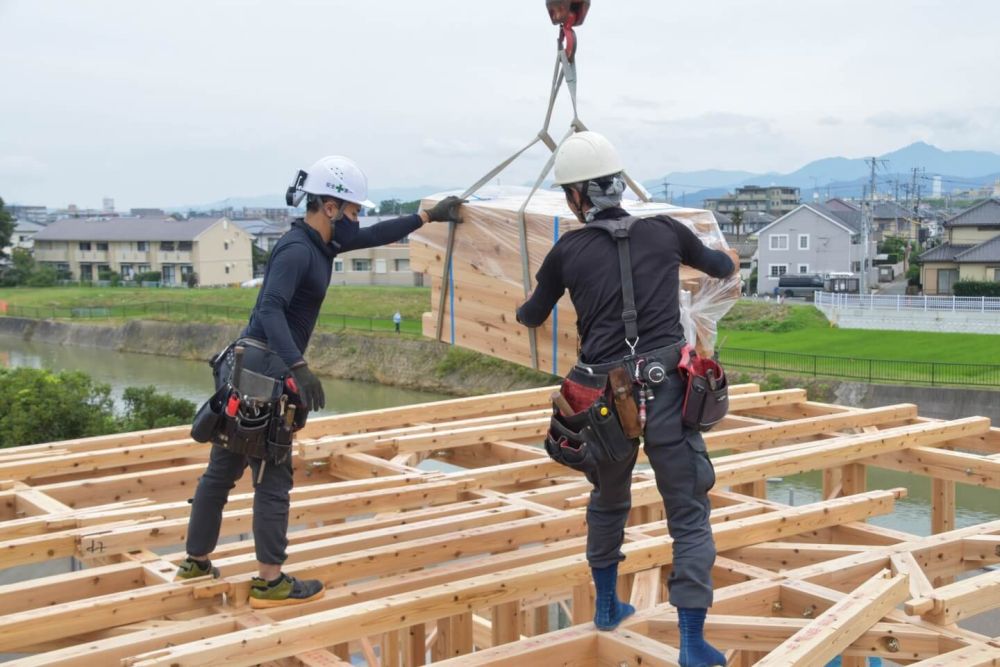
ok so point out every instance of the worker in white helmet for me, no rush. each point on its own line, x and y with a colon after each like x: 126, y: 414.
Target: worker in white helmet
x: 586, y: 262
x: 273, y: 345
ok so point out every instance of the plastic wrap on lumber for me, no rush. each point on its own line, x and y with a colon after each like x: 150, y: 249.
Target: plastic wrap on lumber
x: 487, y: 273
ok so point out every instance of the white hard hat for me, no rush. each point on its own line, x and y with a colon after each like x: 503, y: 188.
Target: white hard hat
x: 585, y: 156
x: 340, y: 177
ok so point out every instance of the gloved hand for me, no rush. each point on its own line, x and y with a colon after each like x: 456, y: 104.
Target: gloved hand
x: 310, y: 389
x: 446, y: 210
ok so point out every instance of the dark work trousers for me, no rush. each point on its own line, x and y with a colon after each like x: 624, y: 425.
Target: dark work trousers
x: 270, y: 505
x: 684, y: 475
x: 271, y: 495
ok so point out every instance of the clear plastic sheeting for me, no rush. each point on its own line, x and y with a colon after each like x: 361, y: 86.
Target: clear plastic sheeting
x: 488, y: 246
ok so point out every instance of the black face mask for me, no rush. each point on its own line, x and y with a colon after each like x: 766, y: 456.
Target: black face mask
x: 344, y: 231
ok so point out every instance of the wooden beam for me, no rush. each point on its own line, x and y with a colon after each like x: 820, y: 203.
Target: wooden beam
x: 838, y: 627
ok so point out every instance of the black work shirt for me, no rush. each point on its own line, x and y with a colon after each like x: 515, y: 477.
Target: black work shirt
x: 298, y: 275
x: 585, y: 261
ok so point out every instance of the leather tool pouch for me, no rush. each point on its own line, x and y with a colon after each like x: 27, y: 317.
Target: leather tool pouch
x: 208, y: 420
x: 628, y: 411
x: 592, y: 435
x: 706, y: 401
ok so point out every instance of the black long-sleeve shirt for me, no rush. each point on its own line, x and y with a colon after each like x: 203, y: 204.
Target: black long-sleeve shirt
x: 585, y: 261
x: 298, y: 275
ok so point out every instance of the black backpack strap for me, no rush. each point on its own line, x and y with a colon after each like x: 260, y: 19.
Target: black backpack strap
x: 619, y: 231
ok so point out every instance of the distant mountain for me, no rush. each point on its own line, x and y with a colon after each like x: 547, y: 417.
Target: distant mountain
x: 846, y: 177
x: 405, y: 193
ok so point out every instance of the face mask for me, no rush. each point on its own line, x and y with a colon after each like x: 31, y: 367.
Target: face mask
x: 344, y: 231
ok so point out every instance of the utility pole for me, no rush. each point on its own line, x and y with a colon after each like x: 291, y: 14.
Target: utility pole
x: 666, y: 191
x: 866, y: 223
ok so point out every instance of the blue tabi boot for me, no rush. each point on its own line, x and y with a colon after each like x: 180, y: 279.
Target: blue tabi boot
x: 695, y: 651
x: 610, y: 610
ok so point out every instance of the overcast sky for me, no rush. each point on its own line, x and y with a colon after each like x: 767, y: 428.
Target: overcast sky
x: 189, y: 101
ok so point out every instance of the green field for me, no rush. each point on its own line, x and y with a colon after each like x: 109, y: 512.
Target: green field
x: 803, y: 329
x: 361, y: 308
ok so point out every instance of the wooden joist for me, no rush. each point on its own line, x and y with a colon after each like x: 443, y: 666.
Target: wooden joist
x: 478, y: 552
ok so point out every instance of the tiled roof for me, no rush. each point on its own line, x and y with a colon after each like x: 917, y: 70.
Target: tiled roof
x: 125, y: 229
x: 945, y: 252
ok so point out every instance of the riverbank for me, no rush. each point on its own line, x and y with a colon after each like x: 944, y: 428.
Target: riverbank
x: 388, y: 359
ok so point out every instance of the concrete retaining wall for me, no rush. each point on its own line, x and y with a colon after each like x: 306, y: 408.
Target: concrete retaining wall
x: 401, y: 361
x: 914, y: 320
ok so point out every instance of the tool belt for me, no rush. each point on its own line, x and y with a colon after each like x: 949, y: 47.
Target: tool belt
x: 250, y: 413
x: 706, y: 395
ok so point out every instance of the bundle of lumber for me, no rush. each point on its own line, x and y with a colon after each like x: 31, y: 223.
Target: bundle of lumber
x: 487, y: 276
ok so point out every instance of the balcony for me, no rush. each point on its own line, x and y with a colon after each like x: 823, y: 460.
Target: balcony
x: 91, y: 256
x: 173, y: 256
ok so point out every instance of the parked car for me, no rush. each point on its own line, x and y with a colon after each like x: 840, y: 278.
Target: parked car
x: 800, y: 284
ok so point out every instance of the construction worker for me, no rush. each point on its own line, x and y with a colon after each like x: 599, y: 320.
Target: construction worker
x: 295, y: 283
x: 586, y: 262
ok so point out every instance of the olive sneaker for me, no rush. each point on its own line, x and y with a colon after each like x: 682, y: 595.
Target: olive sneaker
x: 285, y: 590
x: 190, y: 568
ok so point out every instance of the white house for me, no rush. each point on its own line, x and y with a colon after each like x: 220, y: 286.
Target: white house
x: 811, y: 239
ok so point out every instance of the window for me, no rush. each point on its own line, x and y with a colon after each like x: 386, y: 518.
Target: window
x: 402, y: 265
x: 102, y: 245
x: 166, y: 246
x: 141, y: 246
x: 777, y: 270
x: 338, y: 265
x: 361, y: 265
x: 856, y: 239
x: 184, y: 246
x: 778, y: 242
x: 380, y: 266
x: 84, y: 245
x: 225, y: 245
x: 803, y: 268
x: 996, y: 275
x: 856, y: 267
x: 803, y: 242
x: 227, y: 269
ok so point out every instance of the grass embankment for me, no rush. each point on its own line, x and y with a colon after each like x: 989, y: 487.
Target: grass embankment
x: 803, y: 329
x: 362, y: 308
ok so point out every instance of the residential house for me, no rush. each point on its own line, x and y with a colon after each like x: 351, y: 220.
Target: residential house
x: 265, y: 233
x: 776, y: 200
x: 811, y: 239
x: 24, y: 234
x: 84, y: 249
x: 384, y: 265
x: 971, y: 251
x: 753, y: 222
x: 891, y: 219
x: 747, y: 250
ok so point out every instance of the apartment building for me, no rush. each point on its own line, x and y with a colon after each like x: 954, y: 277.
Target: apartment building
x: 215, y: 249
x: 774, y: 200
x: 384, y: 265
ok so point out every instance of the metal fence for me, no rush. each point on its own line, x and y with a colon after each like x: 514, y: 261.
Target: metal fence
x: 863, y: 370
x: 900, y: 302
x: 183, y: 310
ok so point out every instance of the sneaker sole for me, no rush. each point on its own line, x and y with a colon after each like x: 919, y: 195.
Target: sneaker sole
x: 261, y: 603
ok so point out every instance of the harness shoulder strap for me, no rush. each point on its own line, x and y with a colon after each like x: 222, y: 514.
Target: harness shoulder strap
x: 619, y: 231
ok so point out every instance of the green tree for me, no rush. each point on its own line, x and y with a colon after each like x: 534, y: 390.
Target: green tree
x: 737, y: 218
x: 6, y: 227
x: 260, y: 258
x: 40, y: 406
x: 389, y: 206
x: 145, y: 408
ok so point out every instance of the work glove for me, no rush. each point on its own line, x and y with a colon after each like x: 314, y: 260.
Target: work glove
x: 308, y: 387
x: 446, y: 210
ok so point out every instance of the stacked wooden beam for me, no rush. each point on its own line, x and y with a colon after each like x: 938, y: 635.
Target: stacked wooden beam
x: 488, y: 284
x: 444, y: 534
